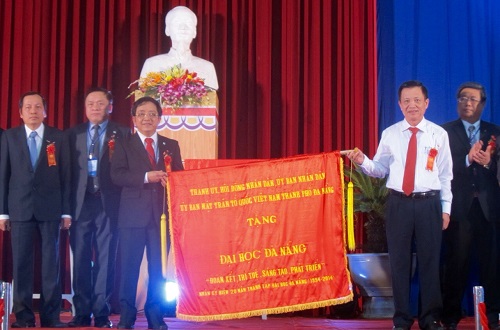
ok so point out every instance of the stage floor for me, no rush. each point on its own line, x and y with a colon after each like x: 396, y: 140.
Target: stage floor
x: 277, y: 322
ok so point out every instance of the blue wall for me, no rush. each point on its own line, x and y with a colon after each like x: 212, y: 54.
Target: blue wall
x: 441, y: 43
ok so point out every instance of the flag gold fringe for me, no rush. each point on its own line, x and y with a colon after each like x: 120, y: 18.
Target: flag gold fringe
x: 163, y: 236
x: 267, y: 311
x: 344, y: 218
x: 348, y: 212
x: 351, y: 241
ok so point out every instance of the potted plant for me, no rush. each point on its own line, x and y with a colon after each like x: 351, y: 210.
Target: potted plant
x: 370, y: 270
x: 370, y: 195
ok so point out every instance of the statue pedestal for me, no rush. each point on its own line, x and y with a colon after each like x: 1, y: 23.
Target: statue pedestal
x: 196, y: 128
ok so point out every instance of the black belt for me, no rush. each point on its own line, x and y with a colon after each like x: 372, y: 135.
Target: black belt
x: 415, y: 195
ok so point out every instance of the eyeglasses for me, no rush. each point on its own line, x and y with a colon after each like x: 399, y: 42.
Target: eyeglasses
x: 143, y: 115
x: 465, y: 99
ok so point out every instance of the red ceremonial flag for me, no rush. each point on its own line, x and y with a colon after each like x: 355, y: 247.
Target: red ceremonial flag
x: 259, y: 238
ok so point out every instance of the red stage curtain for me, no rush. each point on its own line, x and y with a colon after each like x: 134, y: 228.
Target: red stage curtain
x: 295, y: 76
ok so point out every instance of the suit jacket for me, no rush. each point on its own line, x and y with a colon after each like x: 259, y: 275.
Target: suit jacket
x: 25, y: 192
x: 141, y: 203
x: 110, y: 193
x: 473, y: 180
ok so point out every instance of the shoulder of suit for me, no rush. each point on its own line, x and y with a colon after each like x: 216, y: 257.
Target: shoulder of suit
x: 433, y: 126
x: 490, y: 126
x: 118, y: 127
x: 53, y: 130
x: 451, y: 124
x: 77, y: 128
x: 166, y: 139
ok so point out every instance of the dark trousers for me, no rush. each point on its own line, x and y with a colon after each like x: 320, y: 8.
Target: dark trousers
x: 460, y: 240
x: 93, y: 240
x: 23, y: 236
x: 420, y: 221
x: 132, y: 243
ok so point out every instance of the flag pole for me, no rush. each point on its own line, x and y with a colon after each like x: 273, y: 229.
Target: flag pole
x: 163, y: 219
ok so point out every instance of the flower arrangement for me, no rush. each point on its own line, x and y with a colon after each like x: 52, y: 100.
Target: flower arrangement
x: 173, y: 87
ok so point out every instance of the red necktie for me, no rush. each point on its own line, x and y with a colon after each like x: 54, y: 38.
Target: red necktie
x: 411, y: 160
x: 151, y: 151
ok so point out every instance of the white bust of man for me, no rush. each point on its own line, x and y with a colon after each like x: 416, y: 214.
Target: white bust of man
x: 180, y: 26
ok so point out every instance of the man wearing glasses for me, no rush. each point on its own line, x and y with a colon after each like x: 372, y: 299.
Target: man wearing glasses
x: 139, y: 168
x: 475, y: 206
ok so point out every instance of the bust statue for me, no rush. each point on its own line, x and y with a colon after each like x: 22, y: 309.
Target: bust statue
x: 180, y: 26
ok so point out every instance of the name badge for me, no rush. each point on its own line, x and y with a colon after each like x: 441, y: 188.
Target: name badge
x: 92, y: 167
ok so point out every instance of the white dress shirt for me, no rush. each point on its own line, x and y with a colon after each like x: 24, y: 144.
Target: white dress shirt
x: 155, y: 148
x: 390, y: 159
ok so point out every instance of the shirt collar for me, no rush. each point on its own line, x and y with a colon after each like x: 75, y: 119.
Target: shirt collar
x: 143, y: 137
x: 38, y: 131
x: 467, y: 124
x: 421, y: 126
x: 102, y: 125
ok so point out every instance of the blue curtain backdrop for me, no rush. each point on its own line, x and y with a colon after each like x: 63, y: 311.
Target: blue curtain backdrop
x: 441, y: 43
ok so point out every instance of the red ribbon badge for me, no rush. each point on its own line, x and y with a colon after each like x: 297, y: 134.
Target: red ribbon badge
x: 493, y: 144
x: 167, y: 159
x: 51, y: 154
x: 111, y: 146
x: 430, y: 159
x: 1, y: 309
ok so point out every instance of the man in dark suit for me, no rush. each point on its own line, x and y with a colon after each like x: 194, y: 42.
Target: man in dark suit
x: 94, y: 204
x: 34, y: 196
x: 475, y: 206
x: 138, y: 166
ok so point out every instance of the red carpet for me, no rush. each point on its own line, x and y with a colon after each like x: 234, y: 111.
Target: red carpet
x: 273, y: 322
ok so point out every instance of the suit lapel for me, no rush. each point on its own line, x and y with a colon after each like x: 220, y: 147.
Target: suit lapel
x: 485, y: 132
x: 81, y: 144
x: 111, y: 133
x: 46, y: 139
x: 139, y: 149
x: 23, y: 141
x: 163, y: 151
x: 460, y: 132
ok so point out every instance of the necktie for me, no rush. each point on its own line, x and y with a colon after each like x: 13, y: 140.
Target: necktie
x: 471, y: 128
x: 94, y: 143
x: 33, y: 149
x: 411, y: 160
x: 93, y: 179
x: 151, y: 151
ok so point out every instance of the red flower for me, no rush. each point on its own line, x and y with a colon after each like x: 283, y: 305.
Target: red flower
x: 430, y: 159
x: 111, y: 146
x: 167, y: 159
x: 493, y: 144
x: 51, y: 153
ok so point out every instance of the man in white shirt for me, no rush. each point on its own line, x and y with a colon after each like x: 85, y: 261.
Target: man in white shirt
x: 418, y: 206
